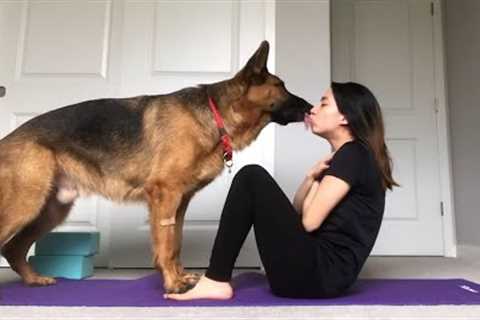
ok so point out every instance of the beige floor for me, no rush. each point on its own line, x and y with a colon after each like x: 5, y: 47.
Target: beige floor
x: 466, y: 265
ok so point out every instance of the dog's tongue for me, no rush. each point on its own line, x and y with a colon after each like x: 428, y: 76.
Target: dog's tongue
x: 307, y: 121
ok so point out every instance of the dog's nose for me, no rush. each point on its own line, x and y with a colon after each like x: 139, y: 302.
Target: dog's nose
x: 307, y: 107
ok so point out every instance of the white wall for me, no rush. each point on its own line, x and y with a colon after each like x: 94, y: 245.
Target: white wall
x: 303, y: 61
x: 462, y: 22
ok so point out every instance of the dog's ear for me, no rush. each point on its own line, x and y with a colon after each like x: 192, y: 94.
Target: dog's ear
x: 256, y: 65
x: 258, y: 61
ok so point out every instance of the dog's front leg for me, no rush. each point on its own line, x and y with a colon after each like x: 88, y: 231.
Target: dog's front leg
x: 164, y: 200
x: 187, y: 277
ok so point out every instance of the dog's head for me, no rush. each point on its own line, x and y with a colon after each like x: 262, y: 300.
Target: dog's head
x: 268, y: 92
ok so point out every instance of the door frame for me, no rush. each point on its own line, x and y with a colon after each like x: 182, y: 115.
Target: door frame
x: 443, y: 133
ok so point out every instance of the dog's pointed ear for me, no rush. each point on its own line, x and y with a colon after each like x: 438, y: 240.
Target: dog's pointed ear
x: 256, y: 66
x: 258, y: 62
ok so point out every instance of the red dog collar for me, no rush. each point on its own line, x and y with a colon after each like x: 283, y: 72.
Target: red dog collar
x: 224, y: 137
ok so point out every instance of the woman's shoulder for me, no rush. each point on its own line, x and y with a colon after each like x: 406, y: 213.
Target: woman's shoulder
x: 355, y: 162
x: 349, y: 163
x: 353, y: 148
x: 364, y: 161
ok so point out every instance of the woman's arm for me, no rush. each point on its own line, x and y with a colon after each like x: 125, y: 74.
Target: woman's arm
x: 308, y: 199
x: 308, y: 182
x: 302, y: 193
x: 323, y: 199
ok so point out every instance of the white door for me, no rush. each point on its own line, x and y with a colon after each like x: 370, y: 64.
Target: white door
x: 169, y: 45
x: 50, y: 57
x: 55, y: 53
x: 388, y: 46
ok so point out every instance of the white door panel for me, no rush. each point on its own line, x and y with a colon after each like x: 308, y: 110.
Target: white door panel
x: 52, y: 57
x: 55, y: 53
x: 167, y: 46
x: 388, y: 46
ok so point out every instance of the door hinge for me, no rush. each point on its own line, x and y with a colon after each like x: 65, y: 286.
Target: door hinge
x: 435, y: 104
x: 432, y: 8
x: 441, y: 208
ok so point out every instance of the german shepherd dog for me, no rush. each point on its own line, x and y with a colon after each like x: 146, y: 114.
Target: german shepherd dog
x: 159, y: 149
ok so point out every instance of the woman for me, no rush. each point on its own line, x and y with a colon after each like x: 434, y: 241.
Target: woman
x: 316, y: 246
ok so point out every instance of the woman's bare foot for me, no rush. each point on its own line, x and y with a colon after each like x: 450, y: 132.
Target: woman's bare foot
x: 205, y: 289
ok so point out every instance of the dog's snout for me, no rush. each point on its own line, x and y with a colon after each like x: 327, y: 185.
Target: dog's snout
x: 291, y: 110
x: 307, y: 107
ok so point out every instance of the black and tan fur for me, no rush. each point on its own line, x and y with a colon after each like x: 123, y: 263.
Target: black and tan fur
x: 157, y: 149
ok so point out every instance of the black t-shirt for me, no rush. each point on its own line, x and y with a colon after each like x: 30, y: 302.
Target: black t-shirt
x: 346, y: 237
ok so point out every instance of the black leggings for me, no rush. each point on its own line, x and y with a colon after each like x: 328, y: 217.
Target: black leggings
x: 287, y: 251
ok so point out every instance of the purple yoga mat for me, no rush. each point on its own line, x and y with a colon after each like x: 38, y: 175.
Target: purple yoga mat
x: 251, y: 289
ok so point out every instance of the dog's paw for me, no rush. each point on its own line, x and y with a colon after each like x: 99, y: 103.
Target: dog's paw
x: 39, y: 281
x: 179, y: 286
x: 191, y: 277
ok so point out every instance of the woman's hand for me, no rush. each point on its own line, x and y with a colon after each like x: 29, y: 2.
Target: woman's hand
x: 320, y: 166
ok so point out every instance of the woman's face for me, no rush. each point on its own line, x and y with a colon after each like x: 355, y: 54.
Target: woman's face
x: 324, y: 118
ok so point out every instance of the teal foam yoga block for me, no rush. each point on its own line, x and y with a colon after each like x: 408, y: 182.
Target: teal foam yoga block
x: 70, y: 267
x: 68, y: 243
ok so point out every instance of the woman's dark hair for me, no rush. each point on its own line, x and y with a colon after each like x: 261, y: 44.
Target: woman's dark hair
x: 362, y: 111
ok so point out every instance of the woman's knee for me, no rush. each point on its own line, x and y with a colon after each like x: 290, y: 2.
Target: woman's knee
x: 252, y: 172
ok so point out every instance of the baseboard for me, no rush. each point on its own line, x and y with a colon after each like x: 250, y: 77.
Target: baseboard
x: 468, y: 250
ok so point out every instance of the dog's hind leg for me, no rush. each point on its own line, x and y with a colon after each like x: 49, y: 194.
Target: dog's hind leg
x: 18, y: 210
x: 52, y: 214
x: 26, y: 177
